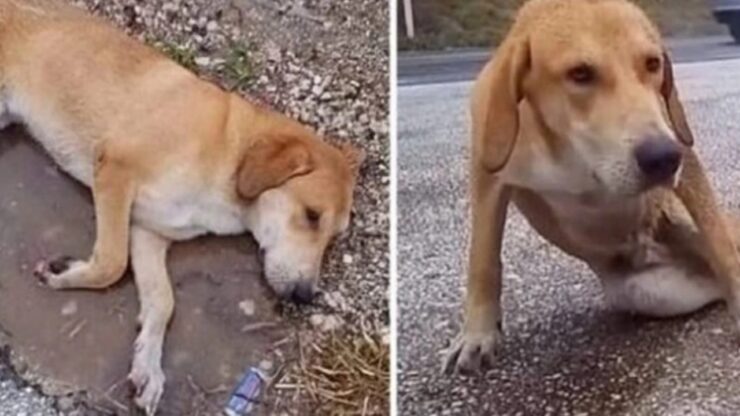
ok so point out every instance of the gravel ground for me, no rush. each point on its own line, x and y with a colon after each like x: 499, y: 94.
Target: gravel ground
x: 18, y: 401
x: 564, y: 352
x: 323, y: 62
x: 17, y: 397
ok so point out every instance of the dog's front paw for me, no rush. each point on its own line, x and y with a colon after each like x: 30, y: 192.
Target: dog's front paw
x: 50, y: 273
x: 472, y: 349
x: 148, y: 384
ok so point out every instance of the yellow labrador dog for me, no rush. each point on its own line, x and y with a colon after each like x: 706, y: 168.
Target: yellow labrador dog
x: 168, y: 157
x: 577, y: 122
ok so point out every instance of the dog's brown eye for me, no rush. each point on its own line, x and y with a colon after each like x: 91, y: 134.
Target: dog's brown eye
x: 313, y: 216
x: 582, y: 74
x: 652, y: 64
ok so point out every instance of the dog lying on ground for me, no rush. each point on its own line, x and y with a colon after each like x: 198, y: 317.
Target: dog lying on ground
x: 577, y: 121
x: 168, y: 157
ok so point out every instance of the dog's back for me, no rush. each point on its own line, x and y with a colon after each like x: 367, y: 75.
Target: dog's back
x: 64, y: 71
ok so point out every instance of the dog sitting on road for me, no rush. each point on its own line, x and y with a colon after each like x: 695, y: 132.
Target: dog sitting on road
x: 577, y: 121
x: 168, y: 157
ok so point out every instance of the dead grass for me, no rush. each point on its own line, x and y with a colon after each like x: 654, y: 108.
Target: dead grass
x: 343, y: 374
x: 238, y: 67
x: 183, y: 55
x: 462, y: 23
x: 233, y: 66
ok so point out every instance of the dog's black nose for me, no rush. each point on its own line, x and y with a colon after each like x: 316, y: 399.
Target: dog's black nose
x: 658, y: 158
x: 303, y: 293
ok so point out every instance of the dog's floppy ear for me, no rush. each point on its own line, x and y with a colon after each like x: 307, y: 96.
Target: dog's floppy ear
x: 496, y: 113
x: 673, y: 104
x: 270, y: 162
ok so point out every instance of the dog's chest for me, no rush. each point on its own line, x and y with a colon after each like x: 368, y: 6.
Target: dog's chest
x: 609, y: 225
x: 180, y: 211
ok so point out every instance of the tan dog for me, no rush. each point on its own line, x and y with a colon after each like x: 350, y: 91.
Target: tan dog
x: 577, y: 122
x: 168, y: 157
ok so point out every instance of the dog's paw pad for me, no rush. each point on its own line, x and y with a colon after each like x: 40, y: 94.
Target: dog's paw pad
x: 60, y: 264
x: 46, y: 271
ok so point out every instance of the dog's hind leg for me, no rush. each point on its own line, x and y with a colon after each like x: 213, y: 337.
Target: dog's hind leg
x: 661, y: 291
x: 148, y: 257
x: 670, y: 290
x: 113, y: 194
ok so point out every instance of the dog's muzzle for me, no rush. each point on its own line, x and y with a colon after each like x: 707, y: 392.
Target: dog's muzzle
x: 299, y: 292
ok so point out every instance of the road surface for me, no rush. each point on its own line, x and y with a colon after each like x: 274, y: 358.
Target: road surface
x: 565, y: 352
x: 462, y: 65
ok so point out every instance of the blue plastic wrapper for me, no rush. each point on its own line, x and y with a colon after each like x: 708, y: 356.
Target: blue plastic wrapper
x: 245, y: 397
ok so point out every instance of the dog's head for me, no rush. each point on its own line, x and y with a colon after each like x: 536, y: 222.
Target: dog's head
x: 300, y: 193
x: 593, y: 80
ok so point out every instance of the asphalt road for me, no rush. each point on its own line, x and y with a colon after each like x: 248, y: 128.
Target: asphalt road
x: 564, y: 352
x: 463, y: 64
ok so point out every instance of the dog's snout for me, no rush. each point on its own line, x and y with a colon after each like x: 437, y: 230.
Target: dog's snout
x: 303, y: 293
x: 658, y: 158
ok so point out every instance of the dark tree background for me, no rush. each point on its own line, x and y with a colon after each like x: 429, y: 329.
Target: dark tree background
x: 459, y: 23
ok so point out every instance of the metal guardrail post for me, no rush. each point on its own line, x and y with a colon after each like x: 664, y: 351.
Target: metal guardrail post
x: 408, y: 13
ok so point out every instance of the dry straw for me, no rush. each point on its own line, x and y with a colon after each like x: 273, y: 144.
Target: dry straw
x: 344, y: 373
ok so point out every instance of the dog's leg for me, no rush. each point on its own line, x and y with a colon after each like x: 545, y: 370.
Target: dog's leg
x: 482, y: 328
x: 661, y: 292
x: 148, y: 257
x: 113, y: 193
x: 697, y: 196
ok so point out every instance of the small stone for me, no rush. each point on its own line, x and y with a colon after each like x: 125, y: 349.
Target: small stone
x: 21, y: 367
x: 385, y: 336
x: 273, y: 53
x: 336, y: 300
x: 66, y: 403
x: 69, y: 308
x: 325, y: 323
x: 266, y: 365
x: 203, y: 61
x: 247, y: 307
x: 347, y: 259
